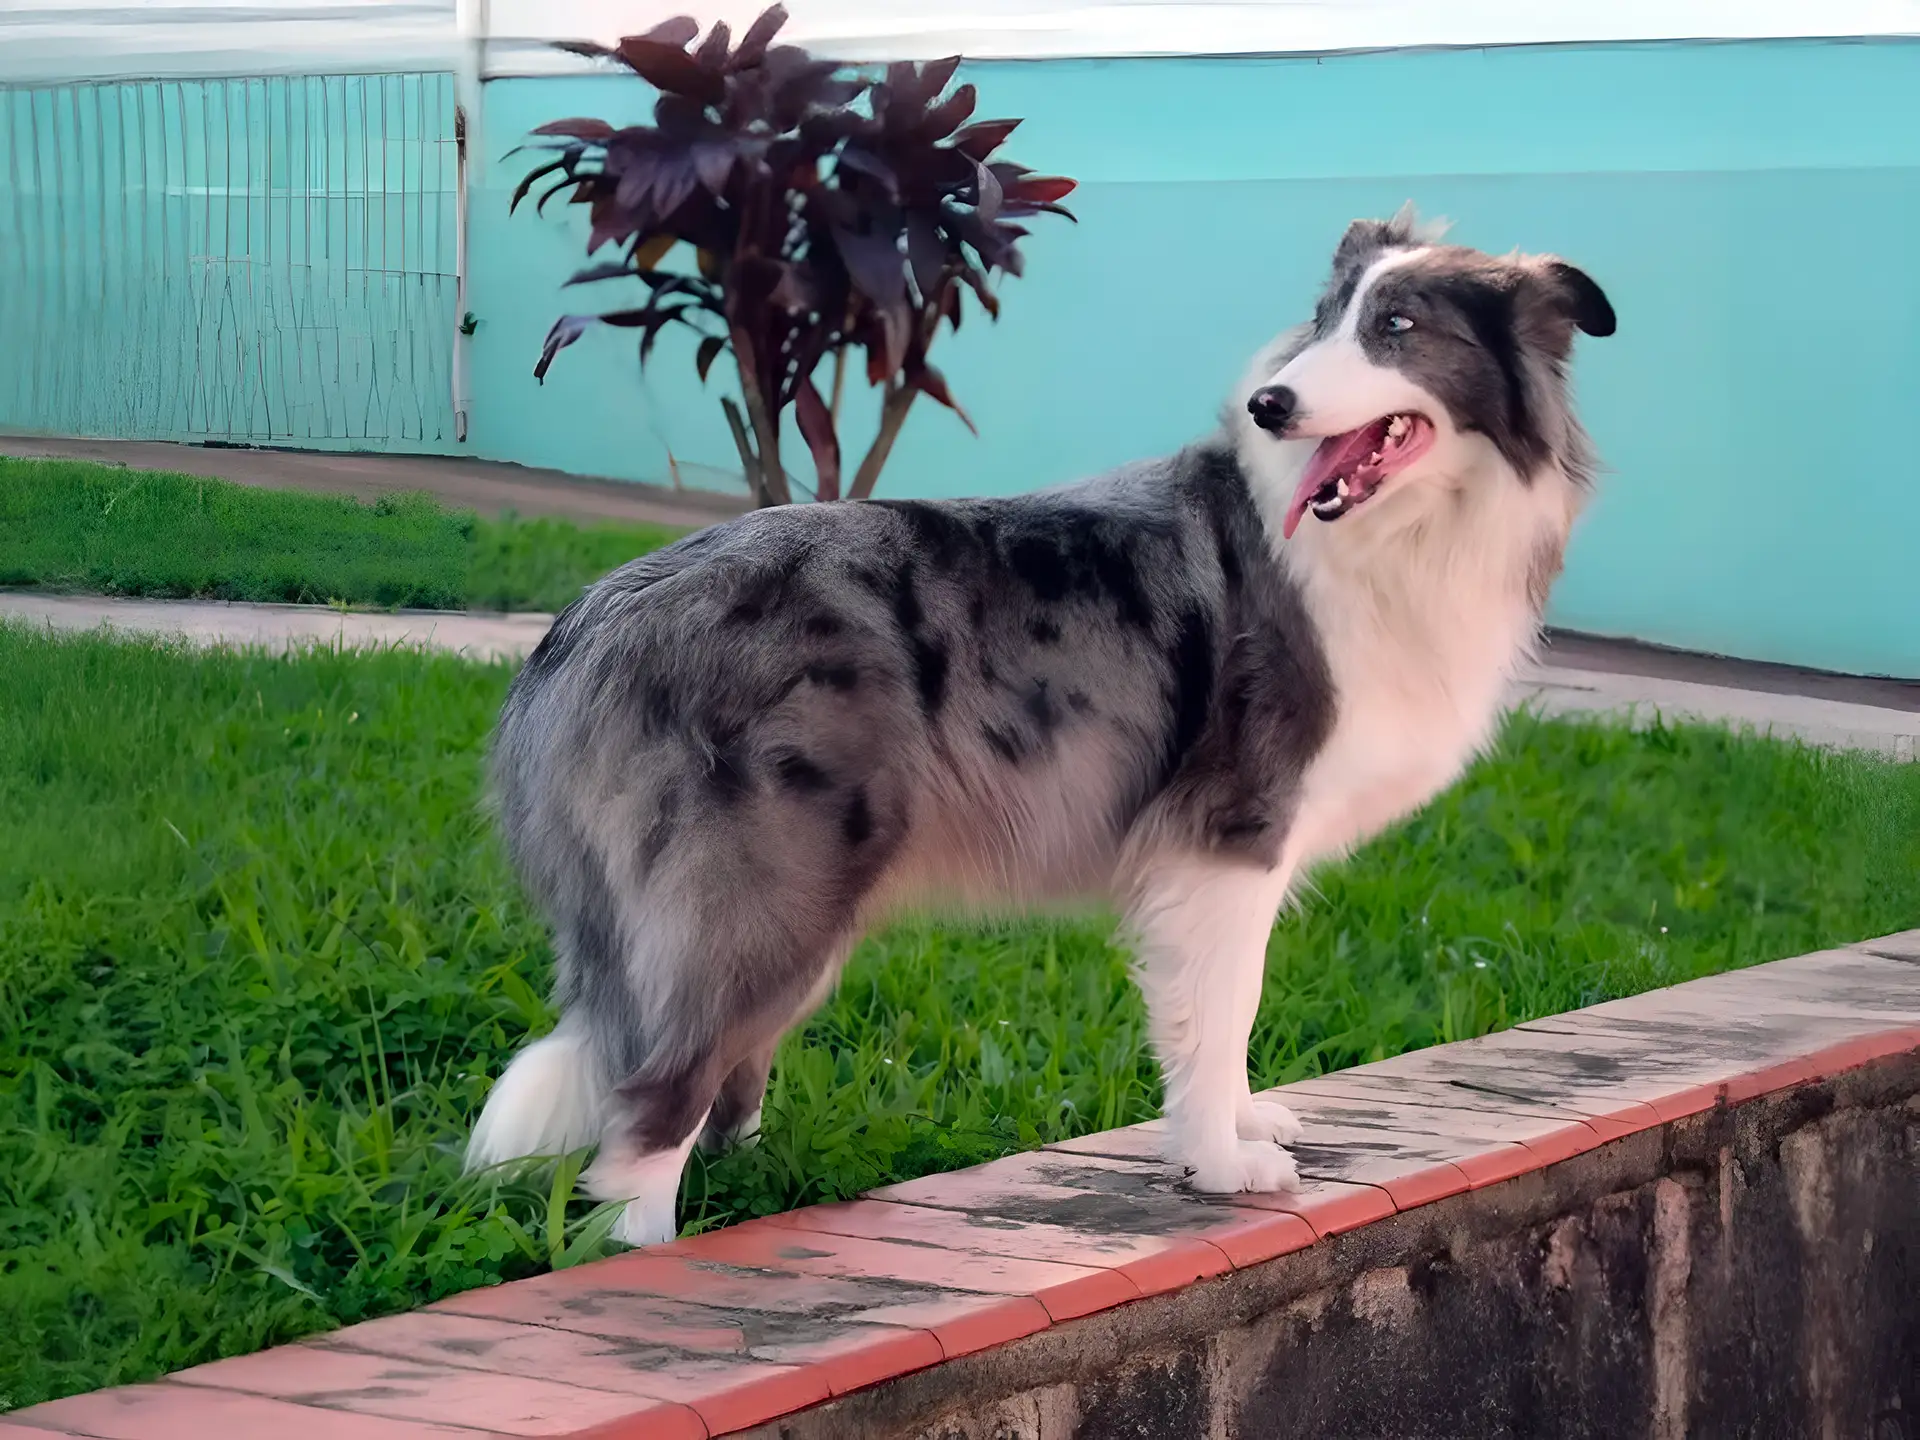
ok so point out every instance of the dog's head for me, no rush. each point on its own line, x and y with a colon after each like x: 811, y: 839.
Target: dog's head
x: 1424, y: 363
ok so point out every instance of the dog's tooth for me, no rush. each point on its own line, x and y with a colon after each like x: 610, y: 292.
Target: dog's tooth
x: 1340, y: 489
x: 1398, y: 426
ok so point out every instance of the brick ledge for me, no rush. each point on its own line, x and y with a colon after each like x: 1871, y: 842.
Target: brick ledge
x: 730, y: 1330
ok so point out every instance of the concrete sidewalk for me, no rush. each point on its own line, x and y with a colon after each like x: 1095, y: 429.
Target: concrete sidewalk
x: 1577, y: 677
x: 214, y: 622
x: 1835, y: 724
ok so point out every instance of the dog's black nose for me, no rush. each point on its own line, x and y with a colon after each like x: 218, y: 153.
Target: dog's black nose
x: 1273, y: 407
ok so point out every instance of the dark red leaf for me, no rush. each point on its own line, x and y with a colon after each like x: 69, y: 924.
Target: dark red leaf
x: 713, y: 163
x: 650, y: 332
x: 799, y: 87
x: 988, y: 196
x: 752, y: 48
x: 816, y: 427
x: 931, y: 383
x: 916, y: 86
x: 1023, y: 207
x: 636, y: 172
x: 671, y: 69
x: 713, y: 50
x: 988, y: 300
x: 579, y: 187
x: 623, y: 319
x: 903, y: 84
x: 935, y: 74
x: 795, y: 293
x: 677, y: 32
x: 980, y: 139
x: 874, y: 263
x: 864, y: 162
x: 609, y: 224
x: 679, y: 119
x: 926, y: 253
x: 710, y: 349
x: 674, y: 183
x: 520, y: 190
x: 605, y: 270
x: 1041, y: 189
x: 579, y: 129
x: 566, y: 330
x: 947, y: 116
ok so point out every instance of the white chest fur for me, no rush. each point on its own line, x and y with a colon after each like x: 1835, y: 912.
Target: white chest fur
x: 1423, y: 627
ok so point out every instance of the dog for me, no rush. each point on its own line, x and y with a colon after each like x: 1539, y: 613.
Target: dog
x: 1173, y: 688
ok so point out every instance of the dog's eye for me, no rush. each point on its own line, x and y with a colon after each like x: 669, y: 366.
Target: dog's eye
x: 1397, y: 325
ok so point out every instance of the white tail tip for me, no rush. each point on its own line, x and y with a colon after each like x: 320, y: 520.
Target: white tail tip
x: 547, y: 1103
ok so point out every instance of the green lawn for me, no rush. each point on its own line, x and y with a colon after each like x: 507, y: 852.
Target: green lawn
x: 75, y: 526
x: 259, y: 956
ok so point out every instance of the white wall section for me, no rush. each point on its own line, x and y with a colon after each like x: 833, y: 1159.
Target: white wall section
x: 65, y: 40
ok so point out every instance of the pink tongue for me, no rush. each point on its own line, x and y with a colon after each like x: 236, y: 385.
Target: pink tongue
x: 1335, y: 454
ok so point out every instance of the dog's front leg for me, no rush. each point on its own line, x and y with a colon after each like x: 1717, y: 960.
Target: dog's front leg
x: 1201, y: 925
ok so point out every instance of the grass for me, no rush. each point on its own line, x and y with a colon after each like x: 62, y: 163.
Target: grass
x: 259, y: 955
x: 78, y: 527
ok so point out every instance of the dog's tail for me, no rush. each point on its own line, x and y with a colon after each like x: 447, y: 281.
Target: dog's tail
x: 548, y: 1102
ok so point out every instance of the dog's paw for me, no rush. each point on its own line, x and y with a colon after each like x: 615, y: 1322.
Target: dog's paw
x: 1257, y: 1165
x: 1269, y: 1120
x: 715, y: 1140
x: 644, y: 1224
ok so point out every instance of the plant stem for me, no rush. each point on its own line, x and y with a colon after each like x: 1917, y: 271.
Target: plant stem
x: 893, y: 414
x: 766, y: 425
x: 839, y: 385
x: 748, y: 462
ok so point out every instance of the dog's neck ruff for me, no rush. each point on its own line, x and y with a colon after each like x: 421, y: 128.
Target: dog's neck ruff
x: 1425, y: 607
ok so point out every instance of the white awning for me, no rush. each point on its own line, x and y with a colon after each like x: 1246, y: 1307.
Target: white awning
x: 61, y: 40
x: 1035, y: 29
x: 50, y: 41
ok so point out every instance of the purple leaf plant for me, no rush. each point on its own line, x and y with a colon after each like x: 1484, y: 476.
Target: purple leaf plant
x: 825, y: 211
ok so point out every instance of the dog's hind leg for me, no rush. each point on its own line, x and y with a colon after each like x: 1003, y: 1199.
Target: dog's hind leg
x: 1201, y: 925
x: 735, y: 1116
x: 700, y: 1072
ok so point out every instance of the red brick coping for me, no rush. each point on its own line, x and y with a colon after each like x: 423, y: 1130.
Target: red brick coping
x: 729, y: 1330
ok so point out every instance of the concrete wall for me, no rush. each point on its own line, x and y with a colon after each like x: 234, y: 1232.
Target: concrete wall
x: 1742, y: 203
x: 1752, y: 1271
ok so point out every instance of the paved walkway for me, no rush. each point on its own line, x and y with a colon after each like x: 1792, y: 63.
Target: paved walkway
x: 1880, y: 716
x: 743, y: 1326
x: 484, y: 485
x: 1563, y: 690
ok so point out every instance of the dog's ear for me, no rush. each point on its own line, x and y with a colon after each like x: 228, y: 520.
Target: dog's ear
x: 1363, y: 239
x: 1577, y: 296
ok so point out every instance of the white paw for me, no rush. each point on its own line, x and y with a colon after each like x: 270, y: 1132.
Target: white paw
x: 644, y: 1224
x: 1257, y: 1165
x: 1259, y: 1119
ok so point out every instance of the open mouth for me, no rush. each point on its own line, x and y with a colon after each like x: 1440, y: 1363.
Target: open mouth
x: 1347, y: 469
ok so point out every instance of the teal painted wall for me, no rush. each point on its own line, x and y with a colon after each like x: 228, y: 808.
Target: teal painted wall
x: 1748, y: 206
x: 255, y: 260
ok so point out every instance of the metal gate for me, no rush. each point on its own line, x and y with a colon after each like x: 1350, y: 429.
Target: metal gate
x: 252, y: 260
